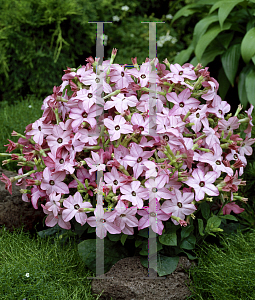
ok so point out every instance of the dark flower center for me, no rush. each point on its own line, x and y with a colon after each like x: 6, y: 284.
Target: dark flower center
x: 97, y: 80
x: 59, y: 140
x: 156, y: 169
x: 102, y: 220
x: 228, y: 128
x: 117, y: 127
x: 218, y: 162
x: 84, y: 115
x: 115, y: 182
x: 122, y: 215
x: 202, y: 183
x: 122, y: 74
x: 40, y: 128
x: 52, y: 182
x: 154, y: 190
x: 235, y: 156
x: 143, y: 76
x: 76, y: 206
x: 141, y: 128
x: 181, y: 72
x: 179, y: 204
x: 197, y: 115
x: 181, y: 104
x: 61, y: 161
x: 139, y: 159
x: 90, y: 95
x: 220, y: 111
x: 134, y: 193
x: 152, y: 214
x: 166, y: 137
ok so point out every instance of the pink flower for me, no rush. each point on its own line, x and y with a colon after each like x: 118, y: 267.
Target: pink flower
x: 134, y: 193
x: 121, y: 102
x: 120, y: 76
x: 58, y: 138
x: 136, y: 158
x: 182, y: 103
x: 152, y: 216
x: 54, y: 204
x: 40, y: 130
x: 51, y: 220
x: 179, y: 205
x: 203, y: 183
x: 125, y: 218
x: 156, y: 188
x: 8, y: 183
x: 52, y: 182
x: 103, y: 222
x: 232, y: 207
x: 117, y: 127
x: 95, y: 164
x: 114, y: 179
x: 74, y: 205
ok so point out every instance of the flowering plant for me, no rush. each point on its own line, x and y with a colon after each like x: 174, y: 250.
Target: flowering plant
x: 161, y: 158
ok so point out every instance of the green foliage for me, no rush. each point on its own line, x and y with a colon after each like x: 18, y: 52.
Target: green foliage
x: 226, y: 31
x: 16, y: 117
x: 41, y: 38
x: 224, y: 272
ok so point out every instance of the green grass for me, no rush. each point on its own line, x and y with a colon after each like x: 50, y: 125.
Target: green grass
x: 16, y: 117
x: 226, y: 273
x: 53, y: 271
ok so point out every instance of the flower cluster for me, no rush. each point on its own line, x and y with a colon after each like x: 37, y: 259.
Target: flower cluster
x: 159, y: 138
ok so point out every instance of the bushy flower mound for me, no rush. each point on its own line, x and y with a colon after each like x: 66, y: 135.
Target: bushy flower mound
x: 162, y: 140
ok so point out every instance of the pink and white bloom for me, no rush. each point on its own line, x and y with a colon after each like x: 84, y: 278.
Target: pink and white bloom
x: 156, y: 188
x: 117, y: 127
x: 74, y: 205
x: 180, y: 205
x: 203, y: 184
x: 134, y: 193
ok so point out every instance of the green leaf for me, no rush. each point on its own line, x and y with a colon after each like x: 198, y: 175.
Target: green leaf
x: 186, y: 231
x: 138, y: 243
x: 113, y: 252
x: 202, y: 26
x: 205, y: 209
x: 212, y: 223
x: 184, y: 55
x: 189, y: 242
x: 207, y: 38
x: 229, y: 217
x: 241, y: 85
x: 230, y: 62
x: 248, y: 45
x: 225, y: 38
x: 210, y: 53
x: 169, y: 238
x: 165, y: 264
x: 190, y: 256
x: 225, y: 9
x: 114, y: 237
x: 201, y: 226
x: 91, y: 229
x: 123, y: 239
x: 253, y: 60
x: 250, y: 86
x: 144, y: 232
x: 185, y: 11
x: 224, y: 83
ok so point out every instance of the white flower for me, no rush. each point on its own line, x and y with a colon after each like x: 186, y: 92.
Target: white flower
x: 105, y: 38
x: 125, y: 7
x: 27, y: 274
x: 29, y: 106
x: 160, y: 43
x: 174, y: 40
x: 116, y: 18
x: 169, y: 16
